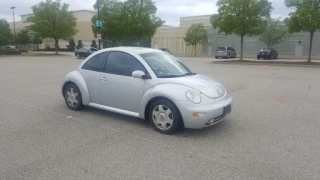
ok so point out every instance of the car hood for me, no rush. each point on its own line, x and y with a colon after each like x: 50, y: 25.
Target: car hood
x: 206, y: 85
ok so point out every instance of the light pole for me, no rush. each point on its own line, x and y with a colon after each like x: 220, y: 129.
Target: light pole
x: 99, y: 19
x: 14, y: 26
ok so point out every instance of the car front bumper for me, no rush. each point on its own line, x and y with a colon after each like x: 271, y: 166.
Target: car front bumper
x: 211, y: 111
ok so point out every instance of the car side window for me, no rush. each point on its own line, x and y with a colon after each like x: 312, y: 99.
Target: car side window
x: 96, y: 63
x: 124, y: 64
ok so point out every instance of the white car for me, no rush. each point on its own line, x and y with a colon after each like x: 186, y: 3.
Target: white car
x: 148, y: 84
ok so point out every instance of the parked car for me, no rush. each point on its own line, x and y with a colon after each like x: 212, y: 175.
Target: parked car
x: 148, y: 84
x: 165, y: 49
x: 267, y: 54
x: 85, y: 52
x: 225, y: 52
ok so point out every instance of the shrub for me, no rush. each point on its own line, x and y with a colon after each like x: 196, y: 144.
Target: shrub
x: 9, y: 52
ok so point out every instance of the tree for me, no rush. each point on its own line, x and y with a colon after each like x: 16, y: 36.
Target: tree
x: 305, y: 18
x: 131, y: 22
x: 5, y: 33
x: 196, y: 34
x: 52, y: 19
x: 275, y: 32
x: 94, y: 44
x: 72, y: 45
x: 79, y: 45
x: 241, y: 17
x: 23, y: 37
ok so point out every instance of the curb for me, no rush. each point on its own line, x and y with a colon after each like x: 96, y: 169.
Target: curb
x: 269, y: 64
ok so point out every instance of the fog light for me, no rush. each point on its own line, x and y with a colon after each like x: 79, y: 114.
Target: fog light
x: 198, y: 114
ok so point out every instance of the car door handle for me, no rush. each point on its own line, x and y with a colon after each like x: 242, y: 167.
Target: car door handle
x: 103, y: 79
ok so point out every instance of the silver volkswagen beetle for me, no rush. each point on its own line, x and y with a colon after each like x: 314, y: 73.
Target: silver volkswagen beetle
x: 148, y: 84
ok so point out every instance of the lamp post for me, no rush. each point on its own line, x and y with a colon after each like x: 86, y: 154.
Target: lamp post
x: 14, y: 26
x: 99, y: 19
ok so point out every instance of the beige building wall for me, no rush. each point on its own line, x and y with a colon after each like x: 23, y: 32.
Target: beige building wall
x: 83, y: 26
x: 172, y: 38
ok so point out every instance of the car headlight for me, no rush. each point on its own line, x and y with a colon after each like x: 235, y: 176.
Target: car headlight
x: 193, y: 97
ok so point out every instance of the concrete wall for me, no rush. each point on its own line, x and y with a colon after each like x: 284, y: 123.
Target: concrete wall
x: 252, y: 44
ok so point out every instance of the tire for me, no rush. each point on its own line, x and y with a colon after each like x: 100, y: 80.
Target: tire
x: 271, y: 57
x: 78, y: 56
x: 72, y: 97
x: 235, y: 55
x: 164, y: 113
x: 228, y: 57
x: 216, y: 57
x: 258, y: 58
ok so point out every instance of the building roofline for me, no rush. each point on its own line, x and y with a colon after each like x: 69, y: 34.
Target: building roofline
x: 84, y: 10
x: 185, y: 17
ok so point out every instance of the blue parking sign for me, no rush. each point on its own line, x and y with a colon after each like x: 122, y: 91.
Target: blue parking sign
x: 99, y: 23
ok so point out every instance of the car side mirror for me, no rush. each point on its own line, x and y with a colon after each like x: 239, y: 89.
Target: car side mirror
x: 138, y: 74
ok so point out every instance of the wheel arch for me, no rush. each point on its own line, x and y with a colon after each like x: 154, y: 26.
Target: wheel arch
x: 76, y: 78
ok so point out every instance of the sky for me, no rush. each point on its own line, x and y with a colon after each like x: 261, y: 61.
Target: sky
x: 168, y: 10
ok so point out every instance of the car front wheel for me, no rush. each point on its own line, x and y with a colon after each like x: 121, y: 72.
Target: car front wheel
x: 72, y: 96
x: 78, y: 56
x: 165, y: 117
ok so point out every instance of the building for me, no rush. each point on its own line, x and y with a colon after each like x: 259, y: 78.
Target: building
x: 83, y: 26
x: 295, y: 46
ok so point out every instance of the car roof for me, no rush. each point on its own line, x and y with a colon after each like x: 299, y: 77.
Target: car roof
x: 137, y: 50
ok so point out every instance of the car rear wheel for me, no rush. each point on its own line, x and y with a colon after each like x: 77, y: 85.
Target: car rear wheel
x: 72, y: 96
x: 165, y: 117
x: 271, y: 57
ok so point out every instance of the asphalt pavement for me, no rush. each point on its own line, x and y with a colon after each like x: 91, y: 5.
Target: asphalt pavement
x: 272, y: 132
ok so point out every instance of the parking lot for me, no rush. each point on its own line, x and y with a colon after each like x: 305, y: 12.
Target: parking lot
x: 272, y: 132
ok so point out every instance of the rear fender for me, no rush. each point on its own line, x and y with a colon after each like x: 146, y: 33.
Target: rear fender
x: 76, y: 78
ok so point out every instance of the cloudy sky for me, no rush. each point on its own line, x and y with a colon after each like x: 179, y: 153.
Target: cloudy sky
x: 168, y: 10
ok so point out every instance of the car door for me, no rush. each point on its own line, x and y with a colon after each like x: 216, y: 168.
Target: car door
x: 90, y: 72
x: 118, y: 89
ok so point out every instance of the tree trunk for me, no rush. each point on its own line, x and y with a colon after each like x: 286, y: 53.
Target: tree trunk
x: 310, y: 47
x: 241, y: 51
x: 56, y: 41
x: 195, y: 50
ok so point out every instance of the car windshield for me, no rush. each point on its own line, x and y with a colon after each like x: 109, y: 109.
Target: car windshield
x: 165, y: 65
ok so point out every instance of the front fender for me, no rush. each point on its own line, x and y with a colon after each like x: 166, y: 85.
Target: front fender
x: 171, y: 91
x: 76, y: 78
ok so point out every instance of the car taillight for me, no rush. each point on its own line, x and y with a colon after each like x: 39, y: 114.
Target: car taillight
x: 225, y: 51
x: 268, y: 52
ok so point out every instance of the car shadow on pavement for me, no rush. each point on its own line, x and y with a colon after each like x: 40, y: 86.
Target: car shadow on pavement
x: 215, y: 130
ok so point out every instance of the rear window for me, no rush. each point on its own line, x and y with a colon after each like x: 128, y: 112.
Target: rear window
x: 221, y: 48
x: 265, y: 49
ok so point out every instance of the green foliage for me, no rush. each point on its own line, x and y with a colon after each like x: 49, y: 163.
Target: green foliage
x: 52, y: 19
x: 94, y: 44
x: 305, y: 18
x: 9, y: 51
x: 241, y: 17
x: 130, y: 22
x: 79, y: 45
x: 195, y: 35
x: 72, y: 45
x: 5, y: 33
x: 275, y: 33
x: 23, y: 37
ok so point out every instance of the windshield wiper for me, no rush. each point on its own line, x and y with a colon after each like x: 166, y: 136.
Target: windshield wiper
x: 189, y: 74
x: 170, y: 76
